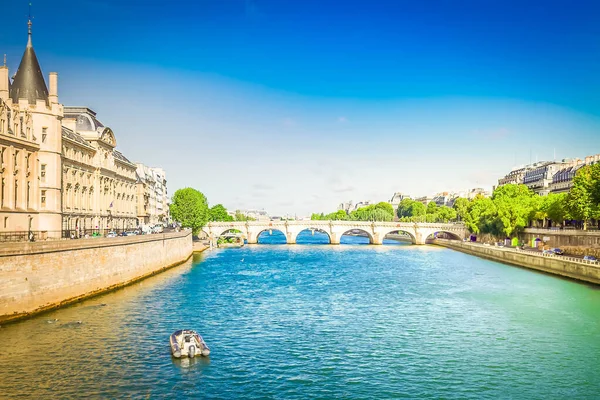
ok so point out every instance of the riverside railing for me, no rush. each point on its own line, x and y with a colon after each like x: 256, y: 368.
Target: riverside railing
x: 67, y: 234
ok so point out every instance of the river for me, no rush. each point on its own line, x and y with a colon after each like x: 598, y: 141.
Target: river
x: 318, y: 321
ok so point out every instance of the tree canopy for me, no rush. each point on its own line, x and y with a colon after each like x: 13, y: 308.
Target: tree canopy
x: 219, y: 213
x: 190, y: 208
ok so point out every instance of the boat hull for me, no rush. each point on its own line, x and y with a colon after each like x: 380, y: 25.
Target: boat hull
x: 187, y: 343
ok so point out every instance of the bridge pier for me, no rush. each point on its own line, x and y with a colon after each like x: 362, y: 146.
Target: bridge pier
x: 252, y: 238
x: 334, y: 238
x: 377, y: 239
x: 290, y: 238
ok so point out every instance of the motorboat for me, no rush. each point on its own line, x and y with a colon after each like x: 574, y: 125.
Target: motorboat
x: 187, y: 343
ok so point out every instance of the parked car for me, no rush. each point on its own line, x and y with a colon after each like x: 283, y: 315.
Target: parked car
x: 548, y: 252
x: 111, y: 234
x: 558, y: 251
x: 130, y: 233
x: 590, y: 258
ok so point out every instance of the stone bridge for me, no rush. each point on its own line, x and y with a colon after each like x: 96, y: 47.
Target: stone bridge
x: 417, y: 232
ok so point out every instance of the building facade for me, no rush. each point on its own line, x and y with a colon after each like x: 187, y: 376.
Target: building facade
x: 59, y: 167
x: 99, y: 182
x: 562, y: 181
x: 152, y: 202
x: 539, y: 177
x: 30, y: 148
x: 397, y: 198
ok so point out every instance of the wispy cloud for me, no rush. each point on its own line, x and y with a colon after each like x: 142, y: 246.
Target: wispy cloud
x: 342, y: 120
x: 492, y: 134
x: 288, y: 122
x: 262, y: 186
x: 343, y: 189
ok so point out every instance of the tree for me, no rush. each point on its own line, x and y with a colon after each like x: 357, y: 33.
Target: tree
x: 190, y: 208
x: 336, y: 216
x: 404, y: 207
x: 432, y: 208
x: 239, y: 216
x: 480, y: 215
x: 219, y: 213
x: 554, y: 207
x: 515, y: 205
x: 461, y: 206
x: 385, y: 207
x: 445, y: 214
x: 416, y: 209
x: 580, y: 201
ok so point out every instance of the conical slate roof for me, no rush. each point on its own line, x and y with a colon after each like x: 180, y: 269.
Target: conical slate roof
x: 29, y: 81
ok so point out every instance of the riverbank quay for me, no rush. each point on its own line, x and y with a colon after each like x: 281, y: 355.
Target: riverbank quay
x: 569, y: 267
x: 199, y: 246
x: 36, y: 277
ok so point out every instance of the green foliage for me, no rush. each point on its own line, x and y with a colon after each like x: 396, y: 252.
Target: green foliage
x: 219, y: 213
x: 417, y: 209
x: 515, y: 207
x: 374, y: 212
x: 445, y: 214
x: 432, y: 208
x: 580, y: 201
x: 461, y: 206
x: 403, y: 208
x: 189, y: 207
x: 239, y: 216
x: 555, y: 207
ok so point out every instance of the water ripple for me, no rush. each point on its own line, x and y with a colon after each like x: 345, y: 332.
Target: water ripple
x: 296, y: 322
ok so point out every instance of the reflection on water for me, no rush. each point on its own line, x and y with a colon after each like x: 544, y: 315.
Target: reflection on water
x: 318, y: 321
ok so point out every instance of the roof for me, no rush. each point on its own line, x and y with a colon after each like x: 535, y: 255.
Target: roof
x: 85, y: 119
x: 29, y: 81
x: 119, y: 156
x: 74, y: 136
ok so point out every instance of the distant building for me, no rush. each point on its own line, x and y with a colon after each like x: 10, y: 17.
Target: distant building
x: 471, y: 194
x: 347, y: 207
x: 515, y: 176
x: 539, y: 177
x: 258, y: 215
x: 397, y: 198
x: 562, y: 181
x: 424, y: 199
x: 443, y: 199
x: 152, y: 199
x: 361, y: 204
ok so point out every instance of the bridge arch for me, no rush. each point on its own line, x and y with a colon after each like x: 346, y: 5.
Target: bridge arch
x: 279, y: 236
x: 355, y: 232
x: 410, y: 236
x: 320, y: 232
x: 442, y: 234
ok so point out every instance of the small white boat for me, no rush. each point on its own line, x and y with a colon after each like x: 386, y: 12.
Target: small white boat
x: 187, y: 343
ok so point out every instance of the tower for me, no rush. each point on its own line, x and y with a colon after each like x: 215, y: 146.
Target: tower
x: 40, y: 115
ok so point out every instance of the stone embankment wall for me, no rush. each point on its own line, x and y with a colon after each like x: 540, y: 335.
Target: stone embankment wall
x: 38, y: 276
x: 563, y: 238
x: 558, y: 265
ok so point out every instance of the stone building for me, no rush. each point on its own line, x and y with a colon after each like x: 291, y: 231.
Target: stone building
x: 99, y: 182
x: 30, y: 148
x: 59, y: 168
x: 539, y: 177
x: 152, y: 202
x: 562, y: 181
x: 397, y: 198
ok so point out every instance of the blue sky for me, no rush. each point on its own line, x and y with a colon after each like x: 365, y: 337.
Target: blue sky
x: 297, y: 106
